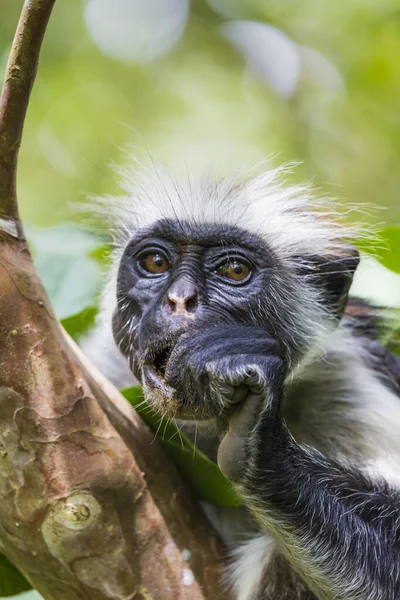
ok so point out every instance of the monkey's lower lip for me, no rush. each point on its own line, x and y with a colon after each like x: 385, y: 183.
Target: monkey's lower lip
x: 154, y: 375
x: 162, y: 397
x: 157, y: 380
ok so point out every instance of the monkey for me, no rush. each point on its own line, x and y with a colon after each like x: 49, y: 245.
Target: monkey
x: 229, y: 302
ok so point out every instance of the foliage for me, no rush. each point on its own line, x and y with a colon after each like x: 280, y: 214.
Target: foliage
x: 11, y: 581
x: 63, y: 256
x: 391, y: 256
x: 201, y: 103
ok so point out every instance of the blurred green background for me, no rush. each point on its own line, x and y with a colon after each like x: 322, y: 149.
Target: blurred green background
x: 225, y: 82
x: 221, y: 83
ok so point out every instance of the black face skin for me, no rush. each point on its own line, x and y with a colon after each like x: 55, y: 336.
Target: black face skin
x: 187, y: 296
x: 203, y: 279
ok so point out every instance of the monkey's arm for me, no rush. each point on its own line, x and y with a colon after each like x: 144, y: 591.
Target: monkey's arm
x: 340, y: 531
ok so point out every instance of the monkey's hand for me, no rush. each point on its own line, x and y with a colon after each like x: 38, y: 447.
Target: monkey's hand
x: 236, y: 373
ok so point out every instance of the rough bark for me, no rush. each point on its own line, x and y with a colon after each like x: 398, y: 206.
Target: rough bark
x: 90, y: 508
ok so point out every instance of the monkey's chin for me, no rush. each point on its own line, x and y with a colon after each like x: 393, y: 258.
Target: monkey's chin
x: 162, y: 397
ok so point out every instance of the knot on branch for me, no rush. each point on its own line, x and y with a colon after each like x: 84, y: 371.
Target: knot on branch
x: 78, y: 511
x: 72, y: 525
x: 86, y: 537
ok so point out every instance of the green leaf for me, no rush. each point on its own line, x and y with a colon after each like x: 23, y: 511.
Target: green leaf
x: 101, y: 253
x: 389, y: 255
x: 66, y: 259
x: 202, y: 474
x: 11, y: 580
x: 391, y: 258
x: 65, y: 238
x: 78, y: 324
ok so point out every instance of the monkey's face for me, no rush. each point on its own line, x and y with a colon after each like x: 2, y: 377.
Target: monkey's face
x: 173, y: 280
x: 176, y: 279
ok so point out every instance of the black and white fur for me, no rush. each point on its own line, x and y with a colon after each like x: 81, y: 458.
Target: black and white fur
x: 313, y: 441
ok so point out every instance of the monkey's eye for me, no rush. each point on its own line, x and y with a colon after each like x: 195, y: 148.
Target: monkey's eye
x: 154, y: 263
x: 234, y: 270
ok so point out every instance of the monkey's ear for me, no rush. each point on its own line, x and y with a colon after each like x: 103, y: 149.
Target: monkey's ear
x: 333, y: 275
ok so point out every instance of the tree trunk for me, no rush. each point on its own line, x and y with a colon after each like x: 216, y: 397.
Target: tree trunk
x: 89, y: 507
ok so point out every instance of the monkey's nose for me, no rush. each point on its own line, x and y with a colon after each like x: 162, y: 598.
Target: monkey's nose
x: 182, y: 298
x: 182, y: 304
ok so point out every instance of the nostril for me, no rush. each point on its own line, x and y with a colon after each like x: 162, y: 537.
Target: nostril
x: 182, y: 304
x: 171, y: 303
x: 191, y: 304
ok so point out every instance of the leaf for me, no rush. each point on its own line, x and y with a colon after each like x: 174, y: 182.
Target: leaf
x: 391, y: 258
x: 389, y: 255
x: 78, y: 324
x: 11, y: 580
x: 202, y: 474
x: 101, y: 253
x: 66, y: 259
x: 71, y: 282
x: 63, y: 239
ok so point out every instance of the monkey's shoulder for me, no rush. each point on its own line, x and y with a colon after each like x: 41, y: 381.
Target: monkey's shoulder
x: 373, y: 327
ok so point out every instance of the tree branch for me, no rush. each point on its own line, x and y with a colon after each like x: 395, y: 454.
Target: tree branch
x: 18, y: 82
x: 90, y: 508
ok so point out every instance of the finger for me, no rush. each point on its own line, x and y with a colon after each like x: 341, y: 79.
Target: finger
x: 233, y: 377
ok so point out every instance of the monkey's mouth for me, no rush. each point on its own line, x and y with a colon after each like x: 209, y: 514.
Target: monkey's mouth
x: 157, y: 392
x: 160, y: 360
x: 156, y: 362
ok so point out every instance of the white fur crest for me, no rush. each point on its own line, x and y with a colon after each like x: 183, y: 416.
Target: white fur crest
x: 289, y: 217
